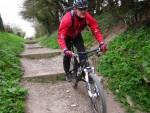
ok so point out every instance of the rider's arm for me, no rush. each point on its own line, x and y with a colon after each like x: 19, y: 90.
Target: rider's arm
x: 92, y: 23
x: 62, y: 32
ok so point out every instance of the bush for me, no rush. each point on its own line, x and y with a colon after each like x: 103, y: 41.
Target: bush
x: 106, y: 21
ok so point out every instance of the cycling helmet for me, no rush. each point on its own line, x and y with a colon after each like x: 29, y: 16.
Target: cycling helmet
x: 81, y: 4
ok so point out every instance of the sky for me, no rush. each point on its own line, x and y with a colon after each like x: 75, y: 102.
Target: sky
x: 9, y: 10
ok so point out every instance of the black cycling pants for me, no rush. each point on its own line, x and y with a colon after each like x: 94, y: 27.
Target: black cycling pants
x: 79, y: 45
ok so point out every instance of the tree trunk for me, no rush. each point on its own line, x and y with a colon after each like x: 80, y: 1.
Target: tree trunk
x: 1, y: 24
x: 92, y: 6
x: 98, y: 7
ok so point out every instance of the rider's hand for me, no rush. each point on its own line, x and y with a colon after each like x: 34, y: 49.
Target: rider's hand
x: 103, y: 47
x: 68, y: 53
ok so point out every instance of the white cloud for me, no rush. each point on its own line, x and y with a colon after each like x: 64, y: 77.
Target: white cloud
x: 9, y: 10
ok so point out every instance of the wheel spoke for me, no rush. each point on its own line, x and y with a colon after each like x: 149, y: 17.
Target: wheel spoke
x: 97, y: 105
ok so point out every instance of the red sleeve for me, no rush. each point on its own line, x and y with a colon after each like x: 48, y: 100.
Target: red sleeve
x: 92, y: 23
x: 62, y: 32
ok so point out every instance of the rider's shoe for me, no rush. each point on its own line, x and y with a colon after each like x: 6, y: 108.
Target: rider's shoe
x: 68, y: 77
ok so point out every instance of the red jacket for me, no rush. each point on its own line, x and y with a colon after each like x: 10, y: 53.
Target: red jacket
x: 67, y: 31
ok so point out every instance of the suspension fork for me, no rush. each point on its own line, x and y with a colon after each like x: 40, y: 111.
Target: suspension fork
x: 87, y: 82
x: 91, y: 95
x: 86, y: 71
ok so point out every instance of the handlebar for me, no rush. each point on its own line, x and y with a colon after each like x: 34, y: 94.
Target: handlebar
x: 97, y: 51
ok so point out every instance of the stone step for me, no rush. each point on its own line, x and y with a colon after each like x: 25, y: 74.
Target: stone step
x: 39, y: 53
x: 30, y: 41
x: 43, y: 68
x: 33, y: 46
x: 45, y: 77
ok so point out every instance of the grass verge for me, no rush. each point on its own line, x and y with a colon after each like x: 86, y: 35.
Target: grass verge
x: 126, y: 65
x: 12, y: 95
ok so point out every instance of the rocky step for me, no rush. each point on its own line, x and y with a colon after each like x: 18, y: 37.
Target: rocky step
x: 33, y: 46
x: 39, y: 53
x: 43, y: 68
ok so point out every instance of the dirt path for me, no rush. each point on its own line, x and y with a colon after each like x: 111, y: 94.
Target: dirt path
x: 47, y: 93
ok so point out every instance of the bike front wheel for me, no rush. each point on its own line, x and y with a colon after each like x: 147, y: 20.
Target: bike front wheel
x: 97, y: 97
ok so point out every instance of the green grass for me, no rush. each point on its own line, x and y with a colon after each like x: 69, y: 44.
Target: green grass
x: 126, y: 65
x: 51, y: 41
x: 12, y: 95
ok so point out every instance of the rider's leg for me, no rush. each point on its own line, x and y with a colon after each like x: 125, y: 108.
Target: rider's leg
x: 66, y: 60
x: 79, y: 44
x: 66, y: 64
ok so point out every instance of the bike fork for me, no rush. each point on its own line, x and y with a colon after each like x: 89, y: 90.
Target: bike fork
x: 88, y: 84
x: 91, y: 95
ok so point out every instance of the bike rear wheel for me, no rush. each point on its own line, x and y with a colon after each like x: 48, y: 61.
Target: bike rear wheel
x: 98, y: 102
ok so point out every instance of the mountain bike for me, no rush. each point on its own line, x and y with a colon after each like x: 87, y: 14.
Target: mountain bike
x: 82, y: 71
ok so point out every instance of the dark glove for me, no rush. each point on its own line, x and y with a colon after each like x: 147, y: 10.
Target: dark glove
x: 103, y: 47
x: 68, y: 53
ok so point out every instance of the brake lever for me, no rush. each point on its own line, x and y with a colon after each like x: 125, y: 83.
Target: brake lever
x: 76, y: 56
x: 98, y: 52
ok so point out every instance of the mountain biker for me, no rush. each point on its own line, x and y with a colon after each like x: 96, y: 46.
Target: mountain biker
x: 70, y: 32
